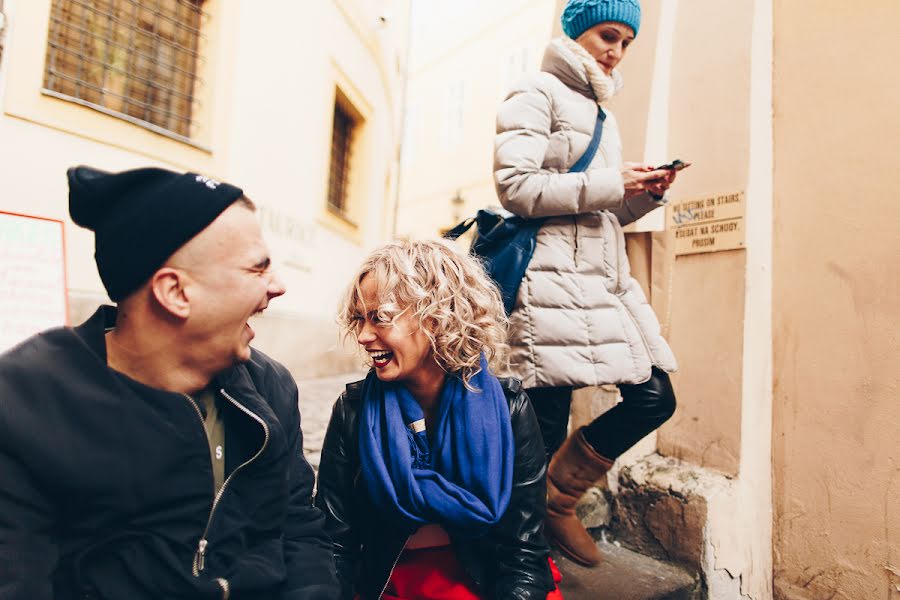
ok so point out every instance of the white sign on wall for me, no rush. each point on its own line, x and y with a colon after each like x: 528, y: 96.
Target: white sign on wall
x: 708, y: 224
x: 32, y: 277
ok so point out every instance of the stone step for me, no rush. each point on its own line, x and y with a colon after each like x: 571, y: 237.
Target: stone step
x: 625, y: 575
x: 317, y: 396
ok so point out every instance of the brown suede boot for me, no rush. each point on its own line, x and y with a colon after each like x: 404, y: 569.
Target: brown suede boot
x: 574, y: 468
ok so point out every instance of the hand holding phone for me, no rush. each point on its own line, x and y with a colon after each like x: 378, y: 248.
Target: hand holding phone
x: 657, y: 187
x: 675, y: 165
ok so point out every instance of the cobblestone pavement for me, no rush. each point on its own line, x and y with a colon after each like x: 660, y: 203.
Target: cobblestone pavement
x: 317, y: 396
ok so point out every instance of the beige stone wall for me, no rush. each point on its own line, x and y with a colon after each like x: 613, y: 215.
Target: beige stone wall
x: 836, y: 284
x: 709, y: 124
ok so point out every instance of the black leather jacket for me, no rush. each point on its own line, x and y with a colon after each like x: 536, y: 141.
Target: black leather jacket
x: 108, y: 484
x: 509, y: 562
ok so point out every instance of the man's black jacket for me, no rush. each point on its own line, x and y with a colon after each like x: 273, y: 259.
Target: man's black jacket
x: 107, y: 488
x: 509, y: 563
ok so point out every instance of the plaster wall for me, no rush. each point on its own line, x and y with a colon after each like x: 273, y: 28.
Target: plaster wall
x: 836, y: 283
x: 709, y: 117
x: 462, y: 65
x: 271, y: 77
x: 721, y: 302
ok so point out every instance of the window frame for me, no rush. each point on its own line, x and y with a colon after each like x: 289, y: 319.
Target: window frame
x: 353, y: 225
x: 341, y: 181
x: 196, y: 94
x: 23, y: 73
x: 344, y: 105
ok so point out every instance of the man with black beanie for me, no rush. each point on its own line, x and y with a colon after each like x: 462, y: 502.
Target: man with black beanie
x: 151, y: 453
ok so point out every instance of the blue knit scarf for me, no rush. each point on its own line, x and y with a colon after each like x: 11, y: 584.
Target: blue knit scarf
x: 462, y: 479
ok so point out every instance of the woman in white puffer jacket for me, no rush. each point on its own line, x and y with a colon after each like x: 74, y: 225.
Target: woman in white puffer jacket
x: 580, y: 318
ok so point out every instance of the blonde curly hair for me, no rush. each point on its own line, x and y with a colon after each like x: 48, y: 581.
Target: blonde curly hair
x: 455, y: 303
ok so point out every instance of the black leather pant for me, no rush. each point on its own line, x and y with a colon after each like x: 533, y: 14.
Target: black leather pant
x: 644, y: 407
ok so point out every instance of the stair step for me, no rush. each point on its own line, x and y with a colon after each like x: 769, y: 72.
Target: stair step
x: 624, y: 575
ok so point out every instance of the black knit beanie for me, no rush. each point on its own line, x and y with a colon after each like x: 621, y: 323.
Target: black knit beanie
x: 141, y: 217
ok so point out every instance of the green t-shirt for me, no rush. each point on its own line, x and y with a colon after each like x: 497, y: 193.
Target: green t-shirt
x: 215, y: 434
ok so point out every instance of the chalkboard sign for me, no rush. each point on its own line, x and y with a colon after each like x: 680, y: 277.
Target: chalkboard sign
x: 32, y: 277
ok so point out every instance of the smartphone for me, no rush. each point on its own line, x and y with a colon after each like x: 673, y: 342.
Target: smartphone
x: 675, y: 165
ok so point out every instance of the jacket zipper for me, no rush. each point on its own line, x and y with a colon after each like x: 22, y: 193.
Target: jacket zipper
x: 226, y: 588
x: 391, y: 572
x: 196, y: 408
x: 200, y: 555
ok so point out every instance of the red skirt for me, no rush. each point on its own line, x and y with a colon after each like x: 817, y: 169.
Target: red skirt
x: 436, y: 574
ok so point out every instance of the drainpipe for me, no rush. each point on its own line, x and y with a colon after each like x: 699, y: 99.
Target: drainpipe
x: 402, y: 133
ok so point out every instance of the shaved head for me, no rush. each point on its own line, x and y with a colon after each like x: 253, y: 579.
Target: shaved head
x: 209, y: 247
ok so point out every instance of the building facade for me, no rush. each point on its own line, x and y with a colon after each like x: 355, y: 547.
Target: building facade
x: 463, y: 59
x: 299, y: 103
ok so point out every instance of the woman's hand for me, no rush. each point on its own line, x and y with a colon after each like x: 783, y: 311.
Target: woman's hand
x: 641, y: 177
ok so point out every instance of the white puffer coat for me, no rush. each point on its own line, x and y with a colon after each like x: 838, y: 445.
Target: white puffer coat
x: 580, y: 318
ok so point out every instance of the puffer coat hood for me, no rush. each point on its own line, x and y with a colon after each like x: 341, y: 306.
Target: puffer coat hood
x: 580, y: 317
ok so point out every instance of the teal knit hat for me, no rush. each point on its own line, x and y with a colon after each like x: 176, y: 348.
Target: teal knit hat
x: 580, y: 15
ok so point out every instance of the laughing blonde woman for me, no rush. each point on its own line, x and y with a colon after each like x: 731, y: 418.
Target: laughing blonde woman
x: 432, y: 475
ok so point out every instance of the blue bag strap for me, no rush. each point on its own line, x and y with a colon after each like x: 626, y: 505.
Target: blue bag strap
x: 585, y: 161
x: 460, y: 229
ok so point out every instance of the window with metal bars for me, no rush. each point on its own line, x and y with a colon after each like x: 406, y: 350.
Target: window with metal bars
x: 134, y: 59
x: 341, y: 145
